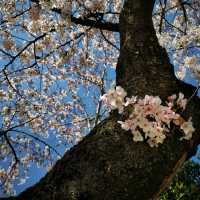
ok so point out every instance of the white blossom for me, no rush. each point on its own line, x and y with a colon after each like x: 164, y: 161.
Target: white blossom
x: 149, y: 115
x: 188, y: 129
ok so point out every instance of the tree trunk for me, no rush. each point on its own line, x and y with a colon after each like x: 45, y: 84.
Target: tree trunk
x: 107, y: 164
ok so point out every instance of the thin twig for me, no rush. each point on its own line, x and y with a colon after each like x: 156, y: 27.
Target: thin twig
x: 39, y: 140
x: 108, y: 41
x: 194, y: 94
x: 12, y: 148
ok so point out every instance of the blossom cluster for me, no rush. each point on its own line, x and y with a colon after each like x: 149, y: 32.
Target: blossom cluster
x: 114, y: 99
x: 149, y: 120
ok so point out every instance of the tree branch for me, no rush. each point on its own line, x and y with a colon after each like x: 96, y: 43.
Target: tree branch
x: 96, y: 24
x: 88, y: 22
x: 108, y: 41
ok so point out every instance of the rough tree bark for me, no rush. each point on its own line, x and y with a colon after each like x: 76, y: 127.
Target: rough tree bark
x: 107, y: 164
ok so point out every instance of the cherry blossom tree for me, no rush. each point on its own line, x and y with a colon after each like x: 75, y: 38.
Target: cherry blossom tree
x: 57, y: 89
